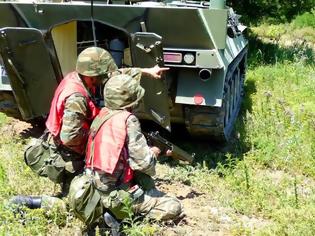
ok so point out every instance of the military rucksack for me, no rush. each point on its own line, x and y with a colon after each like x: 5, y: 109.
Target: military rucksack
x: 50, y: 161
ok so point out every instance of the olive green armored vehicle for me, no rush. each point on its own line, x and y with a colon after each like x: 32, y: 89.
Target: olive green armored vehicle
x: 201, y: 42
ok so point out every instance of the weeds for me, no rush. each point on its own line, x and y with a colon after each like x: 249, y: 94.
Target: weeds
x: 133, y: 226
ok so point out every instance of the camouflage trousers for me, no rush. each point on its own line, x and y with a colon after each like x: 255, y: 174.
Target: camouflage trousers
x: 150, y: 203
x: 153, y: 204
x: 156, y: 205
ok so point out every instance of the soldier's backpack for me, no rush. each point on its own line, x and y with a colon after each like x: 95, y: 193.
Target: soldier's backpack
x: 37, y: 155
x: 51, y: 162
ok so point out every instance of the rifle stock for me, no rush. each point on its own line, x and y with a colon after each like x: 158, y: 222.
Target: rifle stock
x: 155, y: 139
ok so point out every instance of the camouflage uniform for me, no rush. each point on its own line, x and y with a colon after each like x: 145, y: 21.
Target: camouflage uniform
x: 91, y: 62
x: 153, y: 203
x: 94, y: 62
x: 73, y: 134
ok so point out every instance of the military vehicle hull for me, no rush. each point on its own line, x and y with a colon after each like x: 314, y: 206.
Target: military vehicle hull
x: 202, y: 43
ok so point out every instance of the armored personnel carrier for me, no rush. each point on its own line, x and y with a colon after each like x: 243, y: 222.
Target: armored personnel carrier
x: 201, y: 42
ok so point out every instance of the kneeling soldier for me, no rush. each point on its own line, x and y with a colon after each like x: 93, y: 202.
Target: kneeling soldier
x: 120, y: 162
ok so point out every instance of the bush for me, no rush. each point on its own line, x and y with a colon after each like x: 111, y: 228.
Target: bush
x: 305, y: 20
x: 278, y: 11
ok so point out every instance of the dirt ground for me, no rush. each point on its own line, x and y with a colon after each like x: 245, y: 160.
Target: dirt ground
x: 203, y: 215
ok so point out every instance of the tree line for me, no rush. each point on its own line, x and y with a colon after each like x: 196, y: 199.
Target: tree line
x: 272, y: 10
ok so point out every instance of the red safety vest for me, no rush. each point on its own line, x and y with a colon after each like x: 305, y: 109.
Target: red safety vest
x: 109, y: 143
x: 69, y: 85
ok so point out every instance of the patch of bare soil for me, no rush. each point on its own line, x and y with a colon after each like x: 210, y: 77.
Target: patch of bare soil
x: 204, y: 216
x: 23, y: 129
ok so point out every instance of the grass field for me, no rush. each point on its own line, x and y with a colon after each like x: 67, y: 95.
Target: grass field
x: 262, y: 183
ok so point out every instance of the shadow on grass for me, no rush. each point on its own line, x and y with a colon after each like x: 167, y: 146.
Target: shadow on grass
x: 265, y: 53
x: 37, y: 129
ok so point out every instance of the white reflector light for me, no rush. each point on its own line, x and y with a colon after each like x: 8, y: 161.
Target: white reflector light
x: 172, y: 57
x: 189, y: 58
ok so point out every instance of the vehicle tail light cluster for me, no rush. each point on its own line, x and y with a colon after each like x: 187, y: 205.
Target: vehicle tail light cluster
x: 179, y: 57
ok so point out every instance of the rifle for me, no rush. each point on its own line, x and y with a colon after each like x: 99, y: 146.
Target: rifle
x: 155, y: 139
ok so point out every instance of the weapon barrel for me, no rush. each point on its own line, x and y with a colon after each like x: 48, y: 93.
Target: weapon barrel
x: 180, y: 154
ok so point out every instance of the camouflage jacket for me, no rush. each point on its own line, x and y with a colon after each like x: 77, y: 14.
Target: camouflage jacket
x: 73, y: 134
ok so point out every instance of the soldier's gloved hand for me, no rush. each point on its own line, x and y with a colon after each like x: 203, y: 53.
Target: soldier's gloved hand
x: 155, y: 71
x: 156, y: 151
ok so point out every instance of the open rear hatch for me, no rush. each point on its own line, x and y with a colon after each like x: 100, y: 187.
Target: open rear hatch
x: 147, y: 51
x: 29, y: 67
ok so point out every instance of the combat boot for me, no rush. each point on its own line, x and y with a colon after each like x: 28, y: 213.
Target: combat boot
x: 112, y: 223
x: 28, y: 201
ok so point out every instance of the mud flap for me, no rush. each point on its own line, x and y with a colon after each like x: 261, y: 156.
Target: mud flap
x: 147, y: 51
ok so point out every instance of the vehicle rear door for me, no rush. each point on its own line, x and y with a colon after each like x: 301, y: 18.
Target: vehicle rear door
x: 29, y: 67
x: 146, y: 52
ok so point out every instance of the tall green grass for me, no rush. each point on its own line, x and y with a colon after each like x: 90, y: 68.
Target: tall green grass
x: 269, y: 174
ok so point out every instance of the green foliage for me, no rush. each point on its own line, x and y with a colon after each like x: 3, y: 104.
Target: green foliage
x: 133, y: 226
x: 292, y: 221
x: 270, y: 11
x: 268, y: 47
x: 17, y: 178
x: 3, y: 119
x: 305, y: 20
x: 22, y: 222
x: 281, y: 123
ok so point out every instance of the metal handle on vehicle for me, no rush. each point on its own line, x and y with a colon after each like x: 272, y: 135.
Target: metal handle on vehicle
x: 157, y: 116
x: 144, y: 48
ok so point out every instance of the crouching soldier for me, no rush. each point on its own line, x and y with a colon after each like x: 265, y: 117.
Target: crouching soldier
x: 119, y: 163
x: 71, y: 113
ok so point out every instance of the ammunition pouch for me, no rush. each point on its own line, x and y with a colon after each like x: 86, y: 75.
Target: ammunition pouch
x: 85, y: 199
x: 117, y: 203
x: 50, y: 161
x: 90, y: 199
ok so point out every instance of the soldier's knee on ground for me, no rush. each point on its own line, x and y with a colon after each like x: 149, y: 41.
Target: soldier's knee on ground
x: 156, y: 205
x: 174, y: 210
x: 49, y: 203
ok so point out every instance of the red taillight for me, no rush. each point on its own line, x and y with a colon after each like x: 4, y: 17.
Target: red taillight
x: 198, y: 99
x: 172, y: 57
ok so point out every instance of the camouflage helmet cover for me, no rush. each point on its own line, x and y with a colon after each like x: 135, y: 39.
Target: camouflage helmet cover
x: 95, y: 61
x: 122, y: 91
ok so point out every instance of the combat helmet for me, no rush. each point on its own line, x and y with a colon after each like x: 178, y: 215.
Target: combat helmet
x: 95, y: 61
x: 122, y: 91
